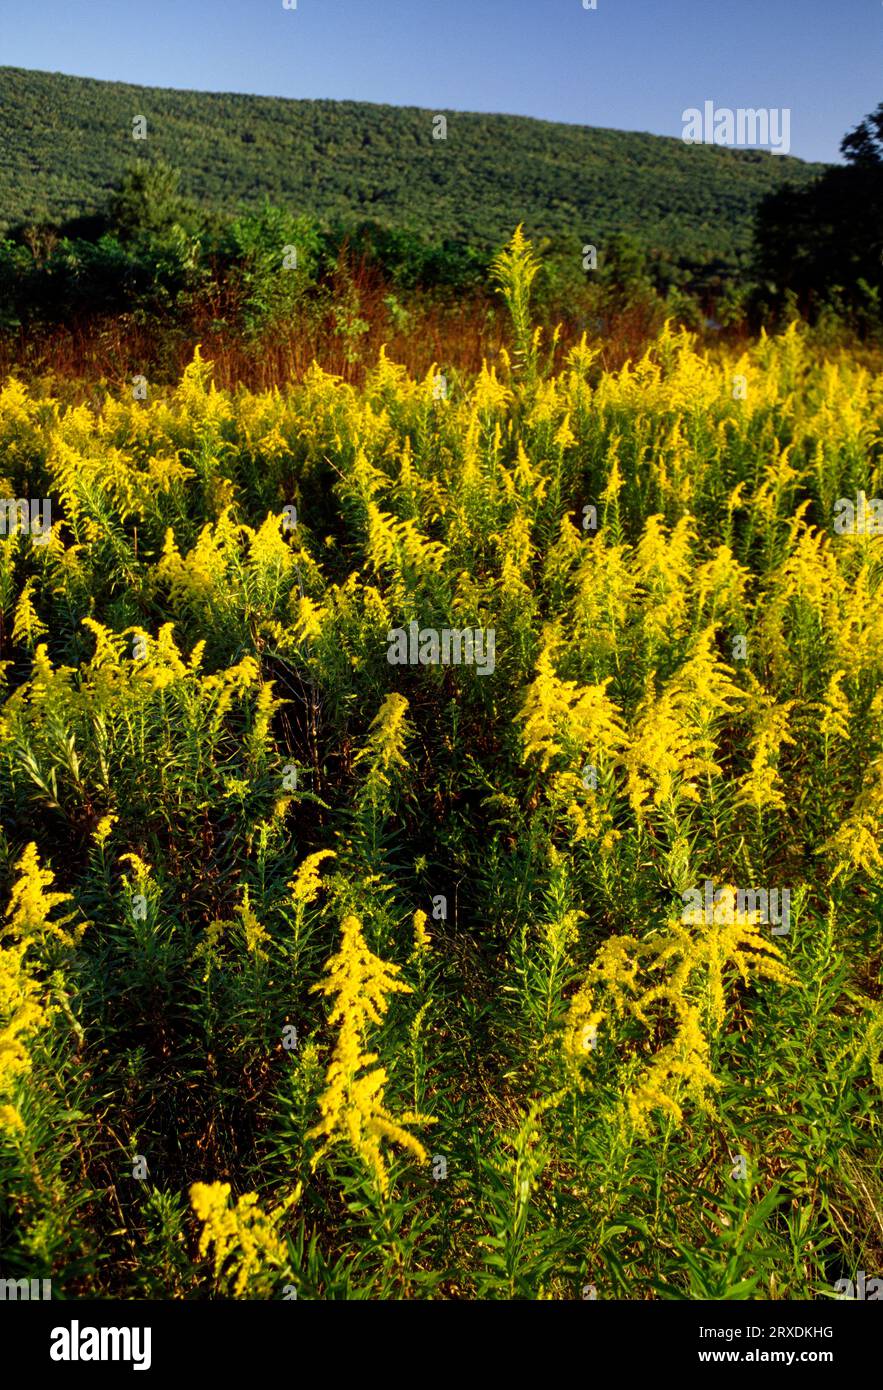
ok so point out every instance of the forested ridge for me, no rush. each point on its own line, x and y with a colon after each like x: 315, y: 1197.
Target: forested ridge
x: 68, y: 140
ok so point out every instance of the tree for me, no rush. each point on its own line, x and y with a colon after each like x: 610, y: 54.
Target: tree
x: 623, y: 273
x: 821, y: 247
x: 275, y: 255
x: 864, y: 145
x: 149, y: 202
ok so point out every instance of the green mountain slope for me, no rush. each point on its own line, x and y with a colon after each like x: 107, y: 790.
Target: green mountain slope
x: 66, y: 141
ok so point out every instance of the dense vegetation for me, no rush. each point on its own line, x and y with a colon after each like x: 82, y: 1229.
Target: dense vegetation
x: 68, y: 140
x: 327, y: 975
x: 820, y: 246
x: 286, y: 232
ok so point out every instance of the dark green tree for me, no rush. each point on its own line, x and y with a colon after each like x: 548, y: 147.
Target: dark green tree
x: 149, y: 202
x: 821, y: 247
x: 623, y: 272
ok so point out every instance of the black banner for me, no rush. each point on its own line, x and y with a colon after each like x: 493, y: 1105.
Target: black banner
x: 87, y: 1340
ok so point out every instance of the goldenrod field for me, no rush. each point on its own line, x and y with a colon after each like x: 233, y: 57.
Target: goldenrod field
x: 324, y: 975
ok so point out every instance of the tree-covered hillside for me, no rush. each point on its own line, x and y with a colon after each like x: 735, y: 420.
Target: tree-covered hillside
x: 67, y: 140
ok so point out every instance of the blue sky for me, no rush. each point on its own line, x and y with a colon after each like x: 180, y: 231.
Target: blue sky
x: 630, y: 64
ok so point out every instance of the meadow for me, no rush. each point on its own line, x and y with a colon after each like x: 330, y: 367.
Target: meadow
x: 328, y: 975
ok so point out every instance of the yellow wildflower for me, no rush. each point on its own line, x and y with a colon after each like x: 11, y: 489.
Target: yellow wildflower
x: 255, y: 933
x: 352, y: 1104
x: 384, y: 749
x: 103, y: 830
x: 29, y: 909
x: 683, y: 969
x: 247, y: 1245
x: 422, y: 939
x: 565, y: 720
x: 306, y: 885
x: 27, y: 627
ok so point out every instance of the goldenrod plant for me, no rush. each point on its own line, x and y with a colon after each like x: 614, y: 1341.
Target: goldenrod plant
x: 352, y: 1105
x: 372, y: 978
x: 248, y: 1253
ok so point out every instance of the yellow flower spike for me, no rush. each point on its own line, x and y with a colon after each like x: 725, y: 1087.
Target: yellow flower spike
x: 681, y: 970
x: 565, y: 720
x: 109, y: 646
x: 422, y: 939
x: 306, y: 884
x: 25, y: 1007
x: 142, y: 869
x: 385, y: 748
x: 760, y: 788
x: 27, y: 627
x: 352, y: 1105
x: 23, y: 1013
x: 855, y: 844
x: 309, y: 618
x: 835, y: 710
x: 11, y: 1121
x: 672, y: 742
x: 249, y: 1254
x: 28, y: 914
x: 255, y: 934
x: 103, y: 830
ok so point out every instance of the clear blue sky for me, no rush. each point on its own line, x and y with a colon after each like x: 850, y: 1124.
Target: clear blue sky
x: 630, y: 64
